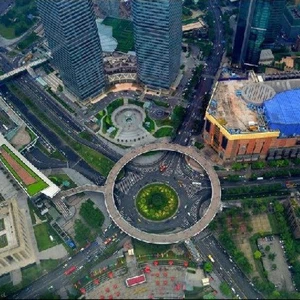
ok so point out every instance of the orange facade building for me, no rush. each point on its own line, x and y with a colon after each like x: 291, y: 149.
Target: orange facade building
x: 237, y: 127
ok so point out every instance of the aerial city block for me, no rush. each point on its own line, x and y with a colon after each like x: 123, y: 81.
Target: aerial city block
x: 150, y: 149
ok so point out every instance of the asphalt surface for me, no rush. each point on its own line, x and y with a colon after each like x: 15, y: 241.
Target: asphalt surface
x: 225, y: 268
x: 187, y: 193
x: 58, y: 279
x: 42, y: 129
x: 68, y: 123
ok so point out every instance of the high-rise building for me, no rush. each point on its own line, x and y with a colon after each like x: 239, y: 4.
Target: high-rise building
x: 157, y: 35
x: 258, y: 23
x: 110, y: 7
x: 72, y: 35
x: 291, y: 22
x: 16, y: 249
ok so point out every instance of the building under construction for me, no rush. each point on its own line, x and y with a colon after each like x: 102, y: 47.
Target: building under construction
x: 248, y: 118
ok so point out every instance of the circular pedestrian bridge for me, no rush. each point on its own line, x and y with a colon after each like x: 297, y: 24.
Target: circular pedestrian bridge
x: 164, y: 238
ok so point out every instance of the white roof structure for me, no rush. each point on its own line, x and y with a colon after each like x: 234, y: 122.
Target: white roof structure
x: 266, y: 56
x: 108, y: 42
x: 49, y: 191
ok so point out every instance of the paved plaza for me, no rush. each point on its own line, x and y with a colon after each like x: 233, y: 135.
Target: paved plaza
x: 166, y: 282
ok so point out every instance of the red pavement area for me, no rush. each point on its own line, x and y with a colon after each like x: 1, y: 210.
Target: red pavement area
x: 135, y: 280
x: 22, y: 173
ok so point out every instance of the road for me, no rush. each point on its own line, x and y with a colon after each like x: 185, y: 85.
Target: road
x: 57, y: 278
x: 183, y: 138
x: 40, y: 127
x: 225, y: 268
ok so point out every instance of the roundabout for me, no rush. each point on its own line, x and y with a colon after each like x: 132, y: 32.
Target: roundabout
x: 154, y: 235
x: 157, y: 202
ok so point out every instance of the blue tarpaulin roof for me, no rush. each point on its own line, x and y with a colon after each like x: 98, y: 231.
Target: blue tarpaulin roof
x: 283, y: 112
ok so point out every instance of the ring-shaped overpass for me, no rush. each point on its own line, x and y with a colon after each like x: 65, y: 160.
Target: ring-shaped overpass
x: 167, y: 238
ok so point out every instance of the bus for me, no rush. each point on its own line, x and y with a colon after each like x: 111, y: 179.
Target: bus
x: 70, y: 270
x: 211, y: 258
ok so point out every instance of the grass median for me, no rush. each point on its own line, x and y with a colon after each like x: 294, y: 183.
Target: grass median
x: 96, y: 160
x: 32, y: 189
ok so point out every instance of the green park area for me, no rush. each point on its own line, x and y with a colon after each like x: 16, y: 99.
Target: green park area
x: 158, y: 128
x: 32, y: 189
x: 26, y: 42
x: 157, y: 202
x: 239, y: 230
x: 18, y: 19
x: 62, y: 180
x: 89, y: 226
x: 122, y: 32
x: 42, y: 234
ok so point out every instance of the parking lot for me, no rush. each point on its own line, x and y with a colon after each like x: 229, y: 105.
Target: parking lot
x: 279, y: 275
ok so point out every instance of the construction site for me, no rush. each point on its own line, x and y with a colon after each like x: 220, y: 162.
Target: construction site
x: 248, y: 118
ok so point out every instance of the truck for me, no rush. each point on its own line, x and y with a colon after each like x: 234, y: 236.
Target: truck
x: 70, y: 270
x: 211, y: 258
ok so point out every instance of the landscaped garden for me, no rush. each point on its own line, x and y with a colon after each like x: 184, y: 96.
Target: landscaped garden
x: 122, y: 32
x: 23, y: 174
x: 18, y: 19
x: 42, y: 234
x: 157, y: 202
x: 158, y: 128
x: 89, y: 225
x: 62, y: 180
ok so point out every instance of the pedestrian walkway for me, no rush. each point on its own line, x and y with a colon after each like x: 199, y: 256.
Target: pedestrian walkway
x: 56, y: 252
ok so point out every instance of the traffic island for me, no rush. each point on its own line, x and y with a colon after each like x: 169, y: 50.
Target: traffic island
x: 157, y: 202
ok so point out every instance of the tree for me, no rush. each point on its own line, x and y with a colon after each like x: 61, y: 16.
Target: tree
x: 272, y: 256
x: 225, y: 289
x: 274, y: 266
x: 257, y: 254
x: 268, y: 248
x: 208, y: 266
x: 92, y: 216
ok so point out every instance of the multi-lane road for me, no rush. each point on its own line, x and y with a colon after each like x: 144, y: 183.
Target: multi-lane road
x: 225, y: 268
x: 69, y: 124
x: 58, y: 279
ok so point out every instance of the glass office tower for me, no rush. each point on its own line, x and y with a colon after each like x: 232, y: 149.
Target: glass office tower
x: 72, y: 35
x: 258, y: 23
x: 157, y: 36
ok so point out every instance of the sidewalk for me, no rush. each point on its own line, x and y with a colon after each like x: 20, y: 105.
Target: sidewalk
x: 55, y: 252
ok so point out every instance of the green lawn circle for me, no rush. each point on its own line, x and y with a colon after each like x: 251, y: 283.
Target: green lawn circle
x: 157, y: 202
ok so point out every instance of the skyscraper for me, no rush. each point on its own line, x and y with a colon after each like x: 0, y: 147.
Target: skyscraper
x: 157, y: 36
x: 110, y: 7
x: 73, y: 39
x: 258, y: 23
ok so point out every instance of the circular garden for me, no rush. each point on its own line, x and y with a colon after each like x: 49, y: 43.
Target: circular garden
x: 157, y: 202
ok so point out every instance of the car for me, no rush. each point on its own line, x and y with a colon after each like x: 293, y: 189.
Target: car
x: 70, y: 258
x: 80, y: 267
x: 65, y: 265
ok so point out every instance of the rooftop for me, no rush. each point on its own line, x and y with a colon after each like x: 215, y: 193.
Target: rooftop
x: 228, y: 107
x: 135, y: 280
x: 237, y: 104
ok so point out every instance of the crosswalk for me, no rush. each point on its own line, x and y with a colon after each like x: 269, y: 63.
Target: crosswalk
x: 128, y: 182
